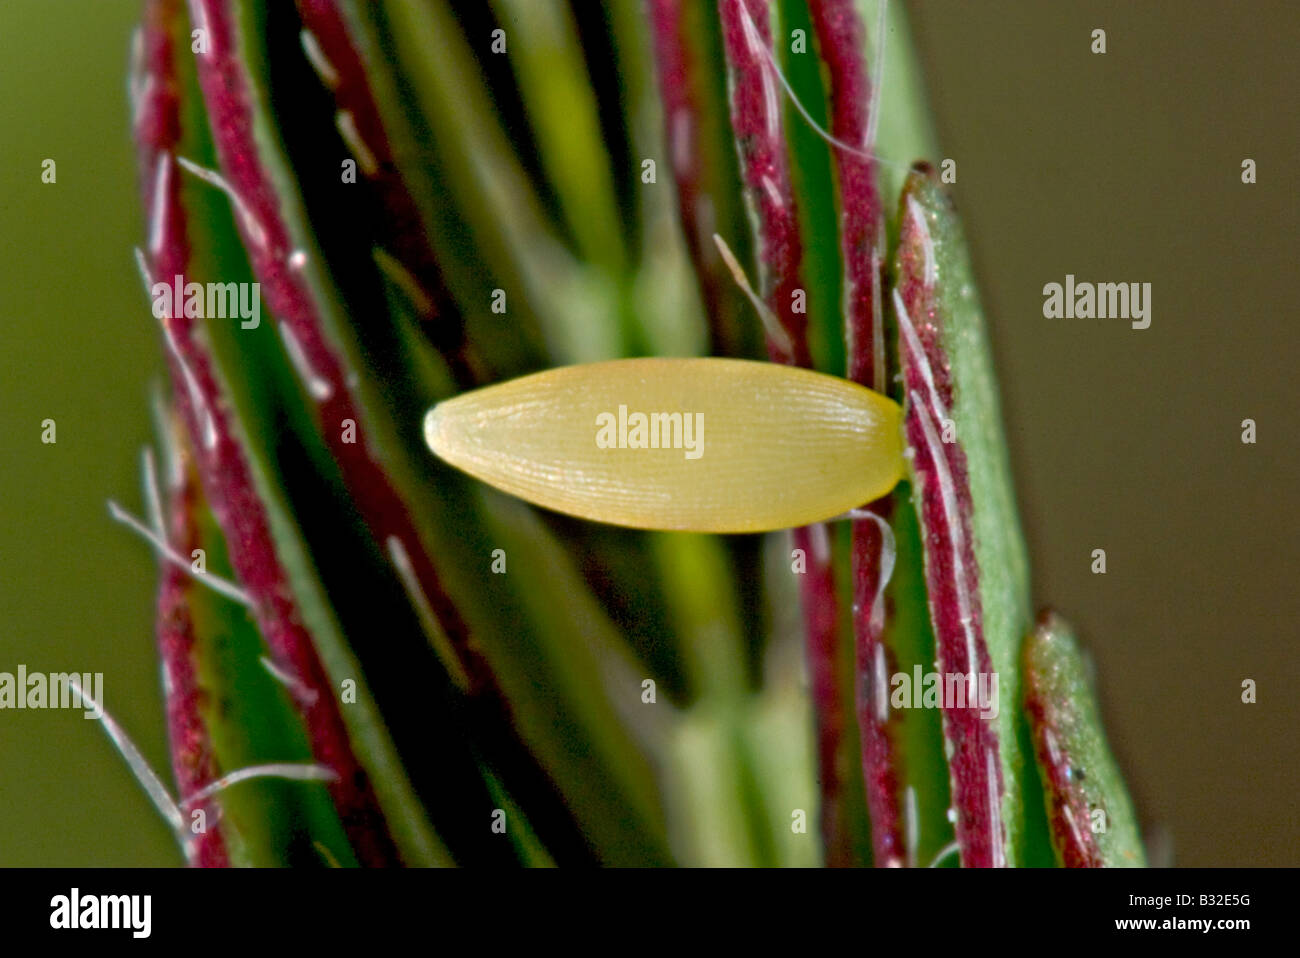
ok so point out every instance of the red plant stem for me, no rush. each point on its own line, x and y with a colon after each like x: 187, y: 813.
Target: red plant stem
x: 840, y: 44
x: 156, y: 121
x: 410, y: 245
x: 192, y: 758
x: 756, y: 121
x: 679, y: 76
x: 821, y: 634
x: 266, y: 238
x: 875, y: 662
x: 193, y: 762
x: 225, y: 473
x: 765, y: 171
x: 951, y: 570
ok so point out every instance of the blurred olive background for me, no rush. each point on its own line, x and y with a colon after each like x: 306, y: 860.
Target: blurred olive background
x: 1123, y: 167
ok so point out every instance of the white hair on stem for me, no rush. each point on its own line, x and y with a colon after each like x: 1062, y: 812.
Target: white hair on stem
x: 864, y: 153
x: 943, y: 853
x: 324, y: 69
x: 957, y: 536
x: 347, y: 126
x: 172, y: 811
x: 402, y: 277
x: 995, y: 806
x: 888, y: 556
x: 877, y: 74
x: 158, y: 203
x: 922, y: 361
x: 911, y: 825
x: 165, y: 550
x: 927, y: 244
x: 135, y: 761
x: 252, y: 225
x: 288, y: 771
x: 317, y: 386
x: 297, y: 688
x: 152, y: 496
x: 401, y: 560
x: 770, y: 323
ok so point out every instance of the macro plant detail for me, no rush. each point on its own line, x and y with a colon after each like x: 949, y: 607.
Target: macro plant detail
x: 371, y: 658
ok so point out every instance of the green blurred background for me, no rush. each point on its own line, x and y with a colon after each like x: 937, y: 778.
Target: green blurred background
x: 1122, y: 167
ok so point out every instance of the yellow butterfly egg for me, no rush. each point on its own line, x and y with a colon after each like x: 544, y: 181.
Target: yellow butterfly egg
x: 700, y: 445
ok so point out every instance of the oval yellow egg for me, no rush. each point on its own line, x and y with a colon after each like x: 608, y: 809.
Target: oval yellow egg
x: 700, y: 445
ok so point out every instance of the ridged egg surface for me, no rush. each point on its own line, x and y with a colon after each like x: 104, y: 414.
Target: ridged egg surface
x: 742, y: 446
